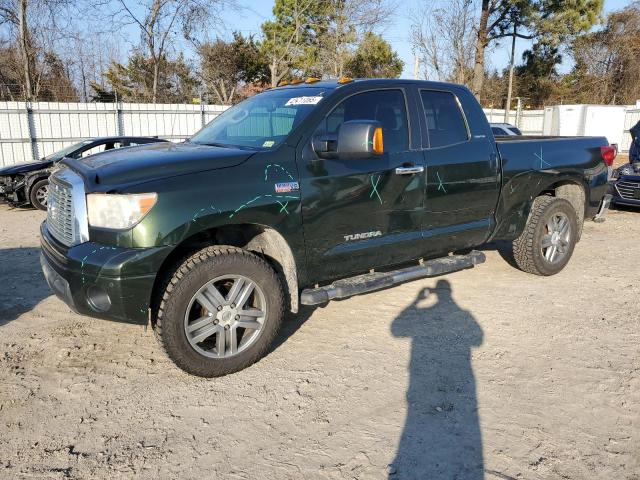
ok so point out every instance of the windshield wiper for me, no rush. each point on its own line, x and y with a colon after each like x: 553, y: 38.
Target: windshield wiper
x: 214, y: 144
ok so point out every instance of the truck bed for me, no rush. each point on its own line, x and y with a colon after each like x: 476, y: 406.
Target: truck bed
x: 530, y: 162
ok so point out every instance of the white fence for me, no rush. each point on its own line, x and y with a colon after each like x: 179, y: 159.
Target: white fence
x: 530, y: 122
x: 30, y: 131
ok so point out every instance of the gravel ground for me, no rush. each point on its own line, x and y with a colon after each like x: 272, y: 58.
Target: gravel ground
x: 488, y: 373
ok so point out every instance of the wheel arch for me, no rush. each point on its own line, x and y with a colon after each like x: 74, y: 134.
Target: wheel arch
x: 516, y: 204
x: 575, y: 193
x: 32, y: 179
x: 262, y: 240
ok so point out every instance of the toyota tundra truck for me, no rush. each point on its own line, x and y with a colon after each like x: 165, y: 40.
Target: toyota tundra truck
x: 302, y: 194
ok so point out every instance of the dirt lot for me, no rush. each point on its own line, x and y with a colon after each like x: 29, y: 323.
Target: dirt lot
x: 488, y: 373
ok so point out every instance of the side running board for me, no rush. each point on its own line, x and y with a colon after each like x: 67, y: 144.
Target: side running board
x: 370, y: 282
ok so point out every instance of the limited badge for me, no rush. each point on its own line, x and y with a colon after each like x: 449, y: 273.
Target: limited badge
x: 287, y: 187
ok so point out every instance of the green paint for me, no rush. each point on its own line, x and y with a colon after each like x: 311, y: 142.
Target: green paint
x: 374, y: 186
x: 441, y: 184
x: 541, y: 158
x: 275, y: 165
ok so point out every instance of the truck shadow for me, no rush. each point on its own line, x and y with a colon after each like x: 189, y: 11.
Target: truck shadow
x: 441, y: 437
x: 290, y: 325
x: 503, y: 248
x: 22, y: 285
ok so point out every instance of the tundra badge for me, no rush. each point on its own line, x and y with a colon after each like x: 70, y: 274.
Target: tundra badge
x: 361, y: 236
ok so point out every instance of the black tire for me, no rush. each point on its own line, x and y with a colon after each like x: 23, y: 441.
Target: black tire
x: 528, y: 247
x: 35, y: 194
x: 179, y: 291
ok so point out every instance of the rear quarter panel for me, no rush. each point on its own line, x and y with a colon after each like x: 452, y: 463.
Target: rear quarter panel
x: 533, y: 165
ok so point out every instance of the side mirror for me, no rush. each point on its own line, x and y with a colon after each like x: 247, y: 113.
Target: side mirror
x: 358, y: 139
x: 325, y: 145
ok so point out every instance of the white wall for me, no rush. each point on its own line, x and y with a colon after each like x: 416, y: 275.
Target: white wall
x: 34, y: 130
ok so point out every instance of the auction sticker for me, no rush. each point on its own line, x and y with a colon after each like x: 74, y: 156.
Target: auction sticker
x: 303, y: 101
x: 287, y: 187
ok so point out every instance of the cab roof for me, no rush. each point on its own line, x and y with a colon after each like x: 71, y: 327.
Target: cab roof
x: 334, y: 83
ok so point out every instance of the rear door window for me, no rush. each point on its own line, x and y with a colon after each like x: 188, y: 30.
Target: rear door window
x: 445, y: 121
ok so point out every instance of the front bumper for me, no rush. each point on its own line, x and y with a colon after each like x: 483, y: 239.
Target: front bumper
x: 626, y: 191
x: 102, y: 281
x: 12, y: 192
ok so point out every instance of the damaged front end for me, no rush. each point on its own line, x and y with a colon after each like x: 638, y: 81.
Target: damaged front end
x: 12, y: 189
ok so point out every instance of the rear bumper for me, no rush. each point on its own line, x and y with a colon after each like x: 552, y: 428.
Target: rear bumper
x: 604, y: 208
x: 100, y: 280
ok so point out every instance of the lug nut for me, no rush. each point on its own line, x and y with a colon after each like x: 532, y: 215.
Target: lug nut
x: 219, y: 307
x: 215, y: 322
x: 237, y: 317
x: 226, y: 327
x: 233, y: 305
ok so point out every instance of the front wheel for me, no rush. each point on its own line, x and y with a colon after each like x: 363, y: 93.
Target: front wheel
x: 549, y: 237
x: 39, y: 193
x: 220, y: 311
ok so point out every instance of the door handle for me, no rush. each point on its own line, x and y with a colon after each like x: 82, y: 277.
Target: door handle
x: 409, y: 170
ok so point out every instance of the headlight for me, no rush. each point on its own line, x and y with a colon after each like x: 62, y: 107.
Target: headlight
x: 118, y: 212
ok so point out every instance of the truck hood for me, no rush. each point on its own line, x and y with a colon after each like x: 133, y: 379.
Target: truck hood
x: 154, y: 161
x: 25, y: 167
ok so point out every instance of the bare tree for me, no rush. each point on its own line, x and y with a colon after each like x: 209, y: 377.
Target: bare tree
x: 349, y: 21
x: 443, y: 39
x: 289, y: 37
x: 607, y: 62
x: 26, y: 20
x: 160, y: 22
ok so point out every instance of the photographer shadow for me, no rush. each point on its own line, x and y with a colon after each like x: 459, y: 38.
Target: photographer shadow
x: 441, y: 437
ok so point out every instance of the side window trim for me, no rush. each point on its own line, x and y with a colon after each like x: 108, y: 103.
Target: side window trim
x: 462, y: 113
x: 407, y: 111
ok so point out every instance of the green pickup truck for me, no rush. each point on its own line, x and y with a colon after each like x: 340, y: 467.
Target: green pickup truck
x: 303, y: 194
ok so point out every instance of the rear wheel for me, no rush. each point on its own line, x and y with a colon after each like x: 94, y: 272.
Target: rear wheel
x: 220, y: 311
x: 549, y: 237
x: 39, y: 193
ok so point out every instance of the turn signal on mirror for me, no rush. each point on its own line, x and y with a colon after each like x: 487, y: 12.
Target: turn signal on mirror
x: 378, y: 143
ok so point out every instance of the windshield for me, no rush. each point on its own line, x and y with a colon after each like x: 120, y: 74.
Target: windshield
x: 262, y: 121
x: 66, y: 151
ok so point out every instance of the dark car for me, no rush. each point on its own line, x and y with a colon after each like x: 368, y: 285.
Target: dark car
x: 28, y: 183
x: 303, y: 194
x: 505, y: 129
x: 626, y: 189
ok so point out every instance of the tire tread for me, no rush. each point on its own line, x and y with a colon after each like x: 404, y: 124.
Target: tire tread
x: 171, y: 286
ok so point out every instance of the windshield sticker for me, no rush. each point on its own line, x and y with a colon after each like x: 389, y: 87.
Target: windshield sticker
x: 269, y: 143
x: 303, y: 101
x: 287, y: 187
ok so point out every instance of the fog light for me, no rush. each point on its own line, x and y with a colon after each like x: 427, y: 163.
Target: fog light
x: 98, y: 299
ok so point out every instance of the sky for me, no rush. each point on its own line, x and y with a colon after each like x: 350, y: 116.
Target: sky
x: 255, y: 12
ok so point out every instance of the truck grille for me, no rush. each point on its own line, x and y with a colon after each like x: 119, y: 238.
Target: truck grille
x: 60, y: 212
x: 628, y: 189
